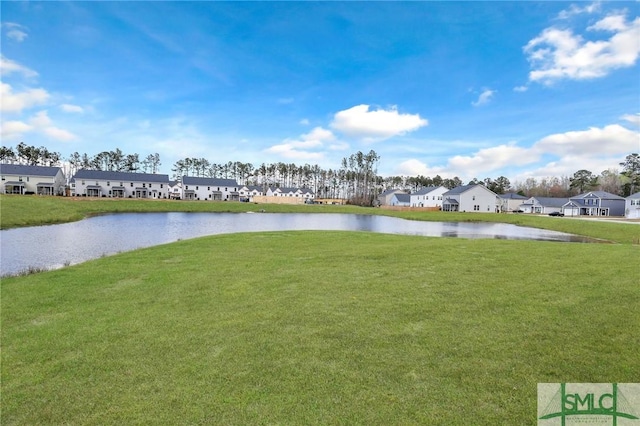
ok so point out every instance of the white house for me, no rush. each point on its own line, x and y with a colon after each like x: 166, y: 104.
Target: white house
x: 430, y: 196
x: 21, y: 179
x: 384, y: 199
x: 247, y: 192
x: 511, y: 202
x: 98, y: 183
x: 290, y: 192
x: 175, y: 190
x: 632, y: 206
x: 209, y: 189
x: 470, y: 198
x: 543, y: 205
x: 400, y: 200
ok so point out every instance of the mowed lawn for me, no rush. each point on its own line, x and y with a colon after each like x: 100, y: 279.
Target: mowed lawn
x: 318, y: 328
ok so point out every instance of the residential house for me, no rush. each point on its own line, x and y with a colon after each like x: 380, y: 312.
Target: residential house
x: 510, y: 202
x: 210, y: 189
x: 470, y: 198
x: 290, y: 192
x: 632, y: 206
x: 21, y: 179
x: 247, y: 192
x: 384, y: 199
x: 430, y: 196
x: 99, y: 183
x: 400, y: 200
x: 595, y: 203
x: 175, y: 190
x: 543, y: 205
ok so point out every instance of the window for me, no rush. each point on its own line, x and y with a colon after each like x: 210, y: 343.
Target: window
x: 208, y: 188
x: 150, y: 185
x: 144, y: 185
x: 108, y: 183
x: 83, y: 182
x: 132, y: 184
x: 474, y: 197
x: 160, y: 185
x: 197, y: 188
x: 19, y: 178
x: 2, y: 177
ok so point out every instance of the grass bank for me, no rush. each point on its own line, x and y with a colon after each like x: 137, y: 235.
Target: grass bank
x: 317, y: 328
x: 16, y: 211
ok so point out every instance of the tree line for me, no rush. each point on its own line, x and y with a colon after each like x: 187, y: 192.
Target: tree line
x: 356, y: 179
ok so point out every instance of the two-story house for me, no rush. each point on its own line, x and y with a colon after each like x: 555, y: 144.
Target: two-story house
x: 595, y: 203
x: 470, y: 198
x: 209, y: 189
x: 632, y: 206
x: 22, y: 179
x: 430, y: 196
x: 100, y: 183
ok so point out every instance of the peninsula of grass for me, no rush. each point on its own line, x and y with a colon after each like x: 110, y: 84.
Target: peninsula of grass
x: 18, y: 211
x: 317, y: 328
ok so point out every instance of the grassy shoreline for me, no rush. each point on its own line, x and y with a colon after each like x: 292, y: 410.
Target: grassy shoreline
x: 18, y: 211
x: 313, y: 327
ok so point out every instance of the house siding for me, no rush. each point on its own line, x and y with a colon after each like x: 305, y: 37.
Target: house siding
x: 97, y: 183
x: 23, y: 179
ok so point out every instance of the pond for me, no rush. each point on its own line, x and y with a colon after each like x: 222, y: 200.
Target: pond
x: 53, y: 246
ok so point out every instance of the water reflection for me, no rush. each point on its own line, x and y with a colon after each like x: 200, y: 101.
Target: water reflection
x: 55, y: 245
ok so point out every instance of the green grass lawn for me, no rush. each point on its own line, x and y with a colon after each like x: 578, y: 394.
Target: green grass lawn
x: 317, y: 328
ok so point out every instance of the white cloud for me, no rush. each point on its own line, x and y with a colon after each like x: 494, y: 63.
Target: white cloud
x: 558, y: 53
x: 521, y: 88
x: 488, y: 159
x: 38, y: 123
x: 307, y: 147
x: 12, y: 129
x: 15, y: 31
x: 16, y: 102
x: 577, y: 10
x: 375, y: 125
x: 7, y: 66
x: 304, y: 122
x: 609, y: 140
x: 484, y: 98
x: 414, y: 167
x: 71, y: 108
x: 632, y: 118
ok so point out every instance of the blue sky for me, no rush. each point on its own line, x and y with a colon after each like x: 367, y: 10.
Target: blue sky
x: 469, y: 89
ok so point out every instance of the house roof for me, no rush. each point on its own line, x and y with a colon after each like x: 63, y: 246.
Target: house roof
x: 464, y: 188
x: 549, y: 201
x: 192, y: 180
x: 403, y: 198
x: 634, y: 196
x: 450, y: 201
x: 20, y: 169
x: 392, y: 191
x: 512, y: 196
x: 120, y: 176
x: 599, y: 194
x: 426, y: 190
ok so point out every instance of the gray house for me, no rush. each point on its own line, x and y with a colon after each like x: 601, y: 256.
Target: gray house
x: 21, y: 179
x: 543, y: 205
x: 595, y: 203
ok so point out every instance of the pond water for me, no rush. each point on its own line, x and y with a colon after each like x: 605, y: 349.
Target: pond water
x: 53, y: 246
